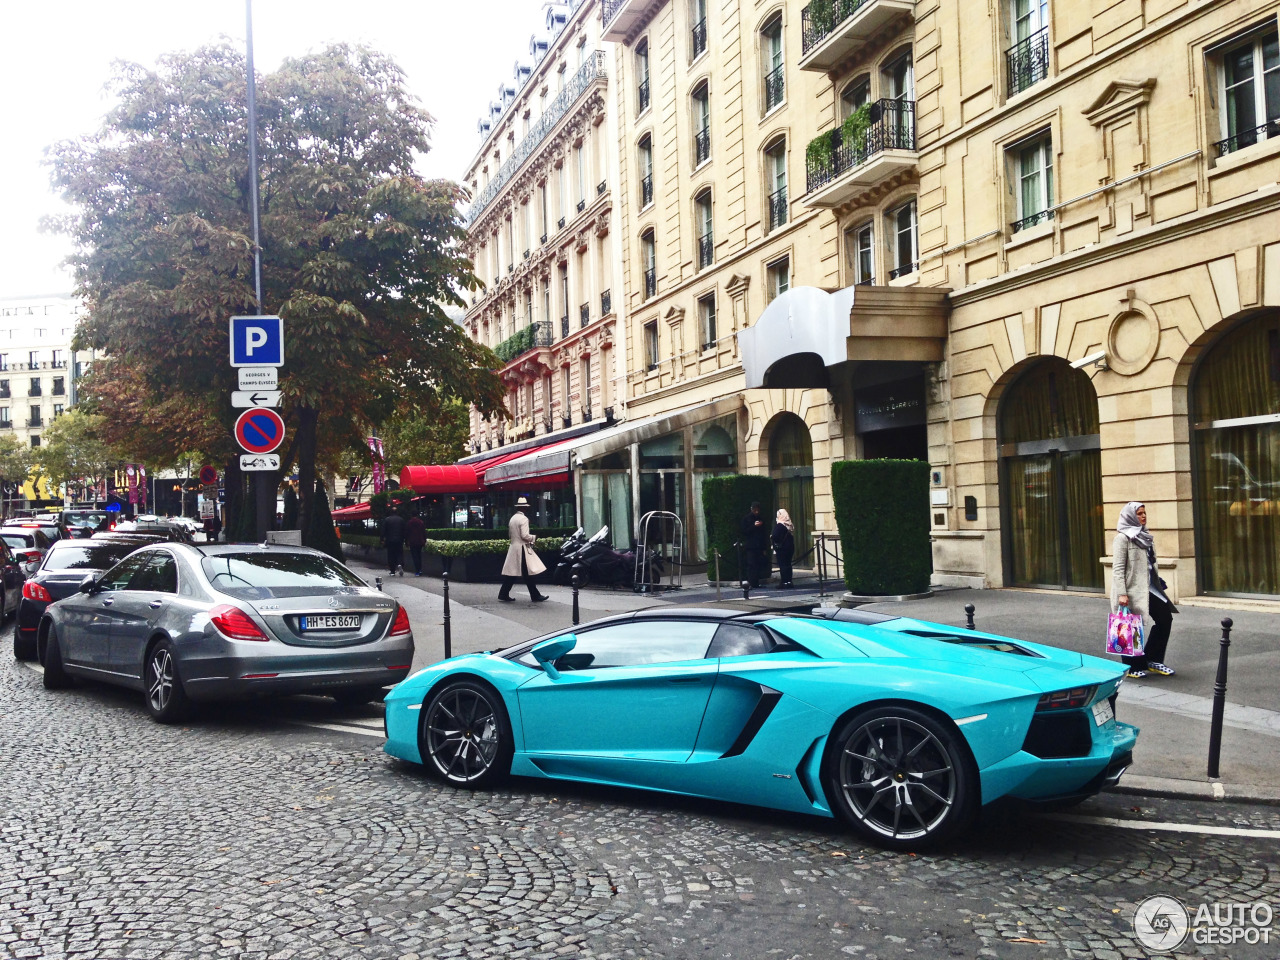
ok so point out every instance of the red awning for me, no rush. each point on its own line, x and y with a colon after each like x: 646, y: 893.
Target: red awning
x: 357, y: 511
x: 450, y: 478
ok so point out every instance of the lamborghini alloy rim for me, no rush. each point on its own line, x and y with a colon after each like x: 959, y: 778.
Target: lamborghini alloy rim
x: 897, y: 778
x: 160, y: 681
x: 462, y: 734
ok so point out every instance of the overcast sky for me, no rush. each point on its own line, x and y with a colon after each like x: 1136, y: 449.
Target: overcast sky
x: 58, y: 56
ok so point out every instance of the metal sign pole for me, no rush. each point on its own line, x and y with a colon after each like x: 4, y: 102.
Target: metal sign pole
x: 263, y: 499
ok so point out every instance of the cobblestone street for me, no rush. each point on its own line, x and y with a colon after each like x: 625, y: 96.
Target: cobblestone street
x: 249, y: 834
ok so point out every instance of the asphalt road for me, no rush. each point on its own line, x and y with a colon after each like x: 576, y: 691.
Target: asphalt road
x: 281, y: 830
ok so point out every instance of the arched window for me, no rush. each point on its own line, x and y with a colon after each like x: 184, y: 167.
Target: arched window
x: 773, y: 69
x: 703, y: 229
x: 642, y: 76
x: 855, y: 94
x: 1235, y: 402
x: 645, y: 158
x: 775, y: 181
x: 1051, y: 468
x: 701, y: 124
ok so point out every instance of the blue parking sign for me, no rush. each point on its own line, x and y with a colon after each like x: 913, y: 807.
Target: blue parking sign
x: 257, y: 342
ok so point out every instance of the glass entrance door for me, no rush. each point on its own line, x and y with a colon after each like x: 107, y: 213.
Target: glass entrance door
x: 1054, y: 505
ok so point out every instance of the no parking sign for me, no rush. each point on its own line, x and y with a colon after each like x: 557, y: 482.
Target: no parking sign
x: 259, y: 430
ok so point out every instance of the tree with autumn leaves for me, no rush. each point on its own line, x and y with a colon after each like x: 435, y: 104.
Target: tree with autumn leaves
x: 360, y: 256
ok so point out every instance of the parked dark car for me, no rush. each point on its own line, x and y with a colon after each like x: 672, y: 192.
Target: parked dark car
x: 12, y: 576
x: 60, y: 574
x: 52, y: 529
x: 28, y: 546
x: 82, y: 523
x: 182, y: 623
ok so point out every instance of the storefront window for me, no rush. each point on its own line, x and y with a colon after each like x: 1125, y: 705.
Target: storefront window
x: 606, y: 497
x: 1235, y: 409
x: 791, y: 466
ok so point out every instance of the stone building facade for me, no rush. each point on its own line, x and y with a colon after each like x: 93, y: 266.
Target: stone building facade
x: 1034, y: 243
x: 542, y: 236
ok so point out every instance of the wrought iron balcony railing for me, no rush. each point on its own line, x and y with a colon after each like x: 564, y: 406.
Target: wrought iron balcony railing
x: 560, y: 224
x: 564, y: 326
x: 820, y: 18
x: 1032, y: 219
x: 582, y: 204
x: 591, y: 70
x: 892, y: 127
x: 646, y: 191
x: 1027, y: 61
x: 774, y: 87
x: 1247, y: 138
x: 777, y: 208
x: 902, y: 270
x: 706, y: 250
x: 584, y: 314
x: 610, y: 9
x: 34, y: 422
x: 601, y: 187
x: 701, y: 145
x: 642, y: 97
x: 606, y: 303
x: 699, y: 37
x: 650, y: 282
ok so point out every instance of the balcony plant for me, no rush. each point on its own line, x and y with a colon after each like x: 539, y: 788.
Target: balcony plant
x: 820, y: 153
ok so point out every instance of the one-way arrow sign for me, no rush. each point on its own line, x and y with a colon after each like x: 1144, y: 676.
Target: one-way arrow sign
x: 255, y: 398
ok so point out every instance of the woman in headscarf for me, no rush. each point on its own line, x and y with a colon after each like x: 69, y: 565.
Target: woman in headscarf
x: 1136, y: 584
x: 784, y: 545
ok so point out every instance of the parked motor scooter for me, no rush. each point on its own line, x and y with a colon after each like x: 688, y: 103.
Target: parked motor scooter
x: 564, y: 568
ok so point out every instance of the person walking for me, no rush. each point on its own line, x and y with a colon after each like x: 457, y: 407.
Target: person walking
x: 755, y: 537
x: 522, y: 562
x: 415, y: 535
x: 784, y: 545
x: 1136, y: 584
x: 393, y: 540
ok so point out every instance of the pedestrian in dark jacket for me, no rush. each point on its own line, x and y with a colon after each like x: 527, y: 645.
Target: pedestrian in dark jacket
x: 784, y: 545
x: 393, y: 540
x: 415, y: 535
x: 755, y: 538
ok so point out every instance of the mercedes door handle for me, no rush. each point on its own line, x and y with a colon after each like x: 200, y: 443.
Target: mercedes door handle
x: 108, y: 602
x: 156, y: 604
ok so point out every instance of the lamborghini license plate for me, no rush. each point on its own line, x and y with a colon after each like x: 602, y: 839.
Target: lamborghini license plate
x: 1102, y: 712
x: 332, y: 621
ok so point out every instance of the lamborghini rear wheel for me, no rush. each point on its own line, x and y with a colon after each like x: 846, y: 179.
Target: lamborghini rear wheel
x: 900, y: 777
x: 466, y: 735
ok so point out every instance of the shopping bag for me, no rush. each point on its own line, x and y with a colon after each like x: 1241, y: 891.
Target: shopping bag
x: 1124, y: 633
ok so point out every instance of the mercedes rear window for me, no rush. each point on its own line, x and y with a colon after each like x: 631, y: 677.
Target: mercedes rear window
x: 261, y: 576
x: 87, y: 556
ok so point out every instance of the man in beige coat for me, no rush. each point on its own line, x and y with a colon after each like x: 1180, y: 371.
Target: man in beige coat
x: 522, y: 562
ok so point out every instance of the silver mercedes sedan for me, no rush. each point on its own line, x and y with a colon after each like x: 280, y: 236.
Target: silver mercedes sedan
x: 183, y: 623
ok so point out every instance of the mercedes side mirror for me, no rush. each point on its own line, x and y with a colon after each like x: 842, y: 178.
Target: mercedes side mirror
x: 89, y: 584
x: 549, y: 651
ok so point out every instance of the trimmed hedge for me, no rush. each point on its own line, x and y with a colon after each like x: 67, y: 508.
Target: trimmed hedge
x: 470, y: 548
x: 449, y: 533
x: 725, y: 501
x: 882, y: 512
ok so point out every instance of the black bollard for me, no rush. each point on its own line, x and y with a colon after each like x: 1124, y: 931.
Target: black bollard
x: 741, y: 572
x: 377, y: 582
x: 1219, y: 699
x: 576, y: 580
x: 746, y: 589
x: 448, y: 638
x: 969, y: 610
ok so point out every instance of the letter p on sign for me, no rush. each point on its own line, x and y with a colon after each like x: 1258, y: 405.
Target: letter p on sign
x: 257, y: 342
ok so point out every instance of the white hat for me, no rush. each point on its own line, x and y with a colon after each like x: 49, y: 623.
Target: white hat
x: 522, y: 502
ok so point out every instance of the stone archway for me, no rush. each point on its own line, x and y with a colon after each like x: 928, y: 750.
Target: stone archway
x: 791, y: 467
x: 1051, y: 478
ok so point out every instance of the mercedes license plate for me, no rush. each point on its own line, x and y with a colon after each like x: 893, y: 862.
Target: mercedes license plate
x: 332, y: 621
x: 1102, y: 712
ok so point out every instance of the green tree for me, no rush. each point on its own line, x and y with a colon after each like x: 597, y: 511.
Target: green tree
x: 360, y: 255
x: 15, y: 463
x: 416, y: 435
x: 73, y: 450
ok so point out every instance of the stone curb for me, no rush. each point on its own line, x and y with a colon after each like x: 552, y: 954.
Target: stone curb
x: 1174, y: 789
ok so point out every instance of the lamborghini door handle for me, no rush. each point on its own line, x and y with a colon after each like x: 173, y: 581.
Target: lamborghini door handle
x: 684, y: 680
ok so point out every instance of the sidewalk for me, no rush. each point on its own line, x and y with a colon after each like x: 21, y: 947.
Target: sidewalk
x: 1173, y: 712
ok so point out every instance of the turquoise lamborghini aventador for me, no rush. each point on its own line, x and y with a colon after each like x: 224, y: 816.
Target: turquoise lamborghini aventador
x: 901, y: 728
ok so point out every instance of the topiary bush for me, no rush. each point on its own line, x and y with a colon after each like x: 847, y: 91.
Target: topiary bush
x: 882, y: 513
x: 725, y: 501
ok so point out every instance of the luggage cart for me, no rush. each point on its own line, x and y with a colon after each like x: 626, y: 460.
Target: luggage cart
x: 660, y: 541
